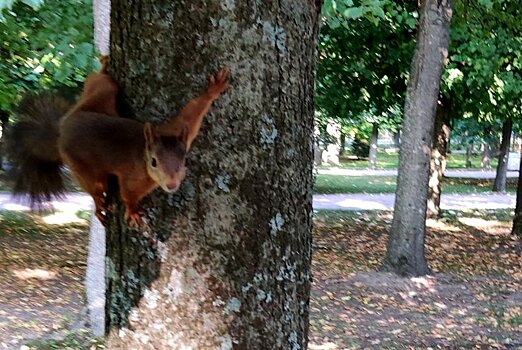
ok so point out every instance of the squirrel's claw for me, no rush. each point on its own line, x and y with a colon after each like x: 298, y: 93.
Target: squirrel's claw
x: 133, y: 218
x: 219, y: 83
x: 102, y: 217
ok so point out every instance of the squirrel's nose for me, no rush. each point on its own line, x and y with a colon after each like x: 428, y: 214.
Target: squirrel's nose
x: 172, y: 186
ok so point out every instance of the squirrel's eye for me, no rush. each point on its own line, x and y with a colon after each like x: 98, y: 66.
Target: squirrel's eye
x: 154, y: 162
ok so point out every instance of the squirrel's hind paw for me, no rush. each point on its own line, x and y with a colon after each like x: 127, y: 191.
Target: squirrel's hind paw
x: 134, y: 218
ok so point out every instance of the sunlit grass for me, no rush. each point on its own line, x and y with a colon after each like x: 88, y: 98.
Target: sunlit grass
x: 390, y: 160
x: 330, y: 184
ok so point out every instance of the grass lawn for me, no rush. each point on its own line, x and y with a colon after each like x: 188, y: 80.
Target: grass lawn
x: 330, y: 184
x: 391, y: 161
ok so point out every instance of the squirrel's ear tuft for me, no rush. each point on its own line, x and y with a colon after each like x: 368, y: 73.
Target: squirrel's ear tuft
x: 150, y: 133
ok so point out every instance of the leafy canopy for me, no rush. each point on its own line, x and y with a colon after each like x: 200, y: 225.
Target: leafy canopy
x: 44, y: 45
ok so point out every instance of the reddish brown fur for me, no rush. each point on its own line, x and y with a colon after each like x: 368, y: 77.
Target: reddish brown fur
x: 94, y: 146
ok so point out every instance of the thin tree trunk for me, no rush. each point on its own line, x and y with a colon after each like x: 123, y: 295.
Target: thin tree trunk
x: 94, y: 276
x: 517, y: 220
x: 342, y: 140
x: 397, y: 138
x: 224, y: 263
x: 438, y: 157
x: 501, y: 177
x: 486, y: 156
x: 4, y: 121
x: 405, y: 253
x: 469, y: 154
x: 486, y: 151
x: 102, y: 19
x: 373, y: 146
x: 448, y: 144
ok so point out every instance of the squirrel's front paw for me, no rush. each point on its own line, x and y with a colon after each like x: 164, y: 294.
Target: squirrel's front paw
x: 218, y: 83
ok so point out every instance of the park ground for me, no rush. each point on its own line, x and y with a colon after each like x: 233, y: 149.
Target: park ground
x: 472, y: 300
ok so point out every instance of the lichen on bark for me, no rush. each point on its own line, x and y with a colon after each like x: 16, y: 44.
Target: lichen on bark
x: 226, y: 260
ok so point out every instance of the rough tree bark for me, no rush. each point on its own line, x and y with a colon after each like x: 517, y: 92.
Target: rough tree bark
x: 224, y: 263
x: 441, y: 133
x: 405, y: 252
x: 373, y: 146
x: 501, y: 177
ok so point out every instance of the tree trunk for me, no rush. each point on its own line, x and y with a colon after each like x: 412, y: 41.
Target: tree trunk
x: 397, y: 138
x: 102, y: 19
x: 373, y: 146
x: 486, y: 156
x: 342, y: 140
x: 405, y: 252
x: 224, y: 263
x: 438, y: 156
x: 94, y: 276
x: 517, y: 220
x: 4, y: 121
x: 469, y: 153
x: 501, y: 177
x: 486, y: 151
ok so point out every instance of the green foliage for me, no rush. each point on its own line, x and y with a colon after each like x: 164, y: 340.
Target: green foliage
x: 483, y: 75
x: 45, y: 46
x: 365, y: 53
x: 387, y: 160
x: 339, y: 11
x: 360, y: 147
x: 8, y: 4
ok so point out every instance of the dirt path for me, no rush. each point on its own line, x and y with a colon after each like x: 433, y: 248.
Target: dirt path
x: 472, y: 301
x: 42, y: 269
x: 375, y: 310
x: 385, y: 201
x: 464, y: 173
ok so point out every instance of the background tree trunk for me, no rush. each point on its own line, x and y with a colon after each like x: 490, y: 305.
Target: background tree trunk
x: 373, y: 146
x: 517, y: 220
x: 501, y: 177
x: 397, y: 138
x: 224, y: 262
x: 95, y: 276
x: 4, y: 121
x: 102, y: 19
x: 439, y: 151
x: 486, y: 148
x: 342, y: 140
x: 469, y: 154
x: 405, y: 253
x: 486, y: 156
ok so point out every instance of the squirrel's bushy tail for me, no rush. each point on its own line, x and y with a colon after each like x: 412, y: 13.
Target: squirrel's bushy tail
x: 32, y: 147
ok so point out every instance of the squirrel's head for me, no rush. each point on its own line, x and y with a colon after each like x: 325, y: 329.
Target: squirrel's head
x: 165, y: 157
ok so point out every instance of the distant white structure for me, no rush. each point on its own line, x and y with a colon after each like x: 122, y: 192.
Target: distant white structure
x: 513, y: 161
x: 331, y: 154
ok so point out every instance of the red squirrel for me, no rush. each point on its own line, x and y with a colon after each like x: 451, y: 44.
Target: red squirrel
x: 95, y: 142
